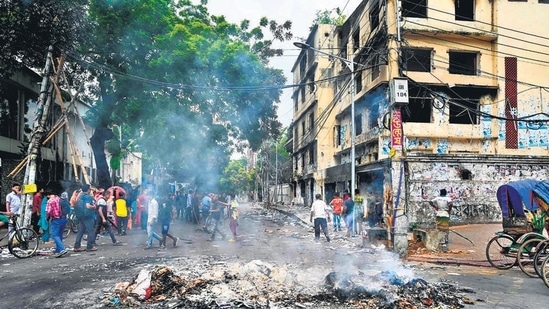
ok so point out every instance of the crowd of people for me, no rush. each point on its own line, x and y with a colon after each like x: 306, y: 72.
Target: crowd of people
x: 112, y: 212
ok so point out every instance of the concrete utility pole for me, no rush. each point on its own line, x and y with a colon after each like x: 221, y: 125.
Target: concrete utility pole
x: 38, y: 132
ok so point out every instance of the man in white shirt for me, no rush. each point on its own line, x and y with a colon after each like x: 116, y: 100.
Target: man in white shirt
x: 13, y: 199
x: 443, y: 206
x: 151, y: 220
x: 320, y: 212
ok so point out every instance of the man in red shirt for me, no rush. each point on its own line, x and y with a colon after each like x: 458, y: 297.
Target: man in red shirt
x: 36, y: 206
x: 337, y: 207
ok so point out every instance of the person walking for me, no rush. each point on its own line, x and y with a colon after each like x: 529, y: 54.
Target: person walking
x: 152, y: 216
x: 233, y: 215
x: 443, y: 207
x: 85, y: 213
x: 103, y: 212
x: 359, y: 212
x: 206, y: 206
x: 44, y: 223
x: 165, y: 216
x: 56, y: 212
x: 141, y: 214
x: 215, y: 213
x: 122, y: 212
x: 320, y: 212
x: 349, y: 211
x: 337, y: 207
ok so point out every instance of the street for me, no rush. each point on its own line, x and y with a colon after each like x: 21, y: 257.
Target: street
x: 275, y: 257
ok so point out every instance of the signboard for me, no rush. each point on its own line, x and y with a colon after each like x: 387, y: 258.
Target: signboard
x: 399, y: 91
x: 31, y: 188
x: 396, y: 130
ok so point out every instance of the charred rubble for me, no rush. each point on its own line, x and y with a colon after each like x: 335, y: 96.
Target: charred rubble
x: 261, y: 285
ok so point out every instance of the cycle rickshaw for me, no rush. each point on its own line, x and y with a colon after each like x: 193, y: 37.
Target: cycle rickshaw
x: 523, y: 224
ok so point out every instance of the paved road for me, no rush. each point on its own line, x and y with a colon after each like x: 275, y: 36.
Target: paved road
x: 81, y: 280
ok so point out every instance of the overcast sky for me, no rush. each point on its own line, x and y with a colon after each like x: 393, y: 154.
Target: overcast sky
x: 300, y: 12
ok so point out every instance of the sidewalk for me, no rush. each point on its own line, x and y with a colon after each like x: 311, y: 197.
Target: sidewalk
x: 462, y: 252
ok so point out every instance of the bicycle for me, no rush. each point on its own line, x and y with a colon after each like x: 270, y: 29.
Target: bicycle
x: 22, y: 241
x: 72, y: 225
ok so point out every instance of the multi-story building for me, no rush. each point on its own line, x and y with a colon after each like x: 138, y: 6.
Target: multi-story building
x: 59, y: 165
x: 449, y: 94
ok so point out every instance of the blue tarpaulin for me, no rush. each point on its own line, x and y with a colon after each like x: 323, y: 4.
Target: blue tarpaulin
x: 514, y: 196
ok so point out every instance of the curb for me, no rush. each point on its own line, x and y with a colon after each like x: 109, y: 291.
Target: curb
x: 448, y: 261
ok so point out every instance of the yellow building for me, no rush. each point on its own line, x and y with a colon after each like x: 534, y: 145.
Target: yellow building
x: 449, y: 94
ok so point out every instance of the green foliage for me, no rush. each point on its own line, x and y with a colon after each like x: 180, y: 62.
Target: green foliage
x: 236, y: 178
x: 186, y: 86
x: 27, y: 28
x: 328, y: 17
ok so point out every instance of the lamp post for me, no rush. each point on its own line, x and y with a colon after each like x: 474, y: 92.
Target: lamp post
x: 351, y: 65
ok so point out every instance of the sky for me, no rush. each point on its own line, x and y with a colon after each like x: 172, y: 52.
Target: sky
x: 300, y: 12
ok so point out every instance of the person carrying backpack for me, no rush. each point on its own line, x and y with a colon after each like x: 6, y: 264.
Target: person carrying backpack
x: 85, y: 210
x: 54, y: 213
x: 103, y: 221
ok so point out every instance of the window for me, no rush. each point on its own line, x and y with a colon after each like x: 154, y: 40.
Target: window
x: 9, y: 112
x: 464, y: 63
x: 414, y: 8
x: 375, y: 64
x: 374, y: 16
x: 356, y: 40
x: 303, y: 128
x: 358, y: 124
x: 417, y: 60
x: 358, y: 82
x: 311, y: 84
x: 311, y: 121
x: 465, y: 10
x: 337, y: 136
x: 464, y: 111
x: 311, y: 155
x: 543, y: 1
x: 302, y: 94
x: 418, y: 110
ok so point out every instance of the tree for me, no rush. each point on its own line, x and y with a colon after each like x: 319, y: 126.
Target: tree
x: 28, y: 28
x: 224, y: 91
x: 236, y: 178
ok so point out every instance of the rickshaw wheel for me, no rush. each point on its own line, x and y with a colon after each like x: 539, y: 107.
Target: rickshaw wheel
x: 542, y: 251
x: 525, y: 259
x: 500, y: 252
x: 544, y: 269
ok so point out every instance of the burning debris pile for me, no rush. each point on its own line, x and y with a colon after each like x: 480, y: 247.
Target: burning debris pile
x: 261, y: 285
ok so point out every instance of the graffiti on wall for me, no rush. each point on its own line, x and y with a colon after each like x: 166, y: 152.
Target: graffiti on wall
x: 530, y: 134
x: 474, y: 199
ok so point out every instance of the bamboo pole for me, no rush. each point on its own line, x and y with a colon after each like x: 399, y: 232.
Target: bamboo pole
x: 70, y: 139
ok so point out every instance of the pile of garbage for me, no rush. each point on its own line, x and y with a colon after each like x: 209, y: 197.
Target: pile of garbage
x: 257, y: 284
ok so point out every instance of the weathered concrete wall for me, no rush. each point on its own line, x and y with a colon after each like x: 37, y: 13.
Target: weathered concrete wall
x: 474, y: 199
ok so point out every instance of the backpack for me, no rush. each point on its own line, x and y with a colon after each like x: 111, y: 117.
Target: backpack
x: 65, y: 207
x: 80, y: 209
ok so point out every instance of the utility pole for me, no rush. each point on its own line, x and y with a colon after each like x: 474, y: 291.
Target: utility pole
x: 38, y: 132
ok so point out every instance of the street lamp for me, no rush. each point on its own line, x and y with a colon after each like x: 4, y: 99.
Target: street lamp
x: 351, y: 65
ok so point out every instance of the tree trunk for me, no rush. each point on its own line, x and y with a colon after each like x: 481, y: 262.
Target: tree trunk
x: 98, y: 139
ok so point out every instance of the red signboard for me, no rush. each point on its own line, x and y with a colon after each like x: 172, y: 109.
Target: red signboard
x: 396, y: 130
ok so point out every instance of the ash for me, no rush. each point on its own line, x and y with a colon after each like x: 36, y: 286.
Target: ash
x: 222, y: 283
